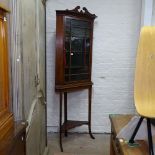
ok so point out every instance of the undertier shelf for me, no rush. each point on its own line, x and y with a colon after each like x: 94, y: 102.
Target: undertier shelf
x: 72, y: 124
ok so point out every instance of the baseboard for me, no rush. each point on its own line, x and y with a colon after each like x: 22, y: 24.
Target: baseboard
x: 46, y: 151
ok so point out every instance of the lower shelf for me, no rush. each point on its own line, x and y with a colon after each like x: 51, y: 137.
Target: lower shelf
x: 72, y: 124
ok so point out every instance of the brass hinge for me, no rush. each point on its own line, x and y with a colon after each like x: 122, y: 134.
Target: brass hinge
x: 37, y: 80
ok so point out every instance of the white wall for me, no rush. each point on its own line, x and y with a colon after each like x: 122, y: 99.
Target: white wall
x: 153, y: 17
x: 147, y: 12
x: 5, y: 3
x: 116, y: 33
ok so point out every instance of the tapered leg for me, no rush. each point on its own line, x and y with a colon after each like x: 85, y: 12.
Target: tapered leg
x: 112, y: 152
x: 89, y: 112
x: 131, y: 141
x: 65, y: 111
x: 60, y: 123
x: 151, y: 152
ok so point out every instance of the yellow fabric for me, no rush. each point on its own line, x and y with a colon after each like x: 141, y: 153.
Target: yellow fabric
x: 144, y: 85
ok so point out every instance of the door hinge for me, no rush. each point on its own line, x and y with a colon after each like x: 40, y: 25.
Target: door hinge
x: 36, y: 80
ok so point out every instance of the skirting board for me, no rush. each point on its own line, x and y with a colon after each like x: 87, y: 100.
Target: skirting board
x: 46, y: 151
x: 82, y: 129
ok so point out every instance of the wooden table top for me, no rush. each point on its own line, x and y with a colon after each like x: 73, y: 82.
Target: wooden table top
x: 117, y: 123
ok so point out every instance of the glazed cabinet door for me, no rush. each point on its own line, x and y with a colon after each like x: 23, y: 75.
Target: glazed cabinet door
x: 77, y: 49
x: 74, y: 35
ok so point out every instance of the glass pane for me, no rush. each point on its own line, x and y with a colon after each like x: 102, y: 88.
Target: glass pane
x: 87, y: 44
x: 67, y: 27
x: 77, y: 44
x: 67, y: 52
x: 87, y: 54
x: 79, y: 77
x: 80, y: 23
x: 77, y: 49
x: 77, y: 59
x: 78, y: 70
x: 67, y: 44
x: 78, y: 32
x: 67, y: 78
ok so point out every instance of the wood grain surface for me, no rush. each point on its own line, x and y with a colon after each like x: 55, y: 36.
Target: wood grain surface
x: 144, y: 85
x: 4, y: 75
x: 120, y: 146
x: 13, y: 141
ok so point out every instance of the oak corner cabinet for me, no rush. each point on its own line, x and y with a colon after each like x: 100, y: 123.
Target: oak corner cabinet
x: 74, y: 39
x: 12, y: 134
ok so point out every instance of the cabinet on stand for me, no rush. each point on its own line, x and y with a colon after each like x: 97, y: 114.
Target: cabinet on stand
x: 74, y: 38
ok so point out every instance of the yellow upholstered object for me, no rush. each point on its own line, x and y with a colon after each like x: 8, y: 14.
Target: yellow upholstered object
x: 144, y: 86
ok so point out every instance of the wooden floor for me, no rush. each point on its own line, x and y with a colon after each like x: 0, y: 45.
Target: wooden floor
x: 79, y: 144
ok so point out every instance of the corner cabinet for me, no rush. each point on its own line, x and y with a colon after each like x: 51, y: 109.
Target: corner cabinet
x: 12, y: 134
x: 74, y: 34
x: 74, y: 39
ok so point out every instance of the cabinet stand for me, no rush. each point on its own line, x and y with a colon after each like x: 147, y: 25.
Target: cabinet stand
x: 69, y: 124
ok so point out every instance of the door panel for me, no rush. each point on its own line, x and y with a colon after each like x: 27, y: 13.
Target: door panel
x: 29, y: 52
x: 33, y: 28
x: 4, y: 77
x: 41, y: 73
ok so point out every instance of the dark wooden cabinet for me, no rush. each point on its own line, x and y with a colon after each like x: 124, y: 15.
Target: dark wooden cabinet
x: 74, y: 39
x: 74, y: 33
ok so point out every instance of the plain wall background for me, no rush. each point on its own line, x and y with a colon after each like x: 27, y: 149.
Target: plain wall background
x: 153, y: 18
x: 116, y: 33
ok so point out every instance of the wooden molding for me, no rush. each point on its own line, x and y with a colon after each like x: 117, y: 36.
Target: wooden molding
x: 2, y: 7
x: 84, y: 11
x: 73, y: 86
x: 77, y: 12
